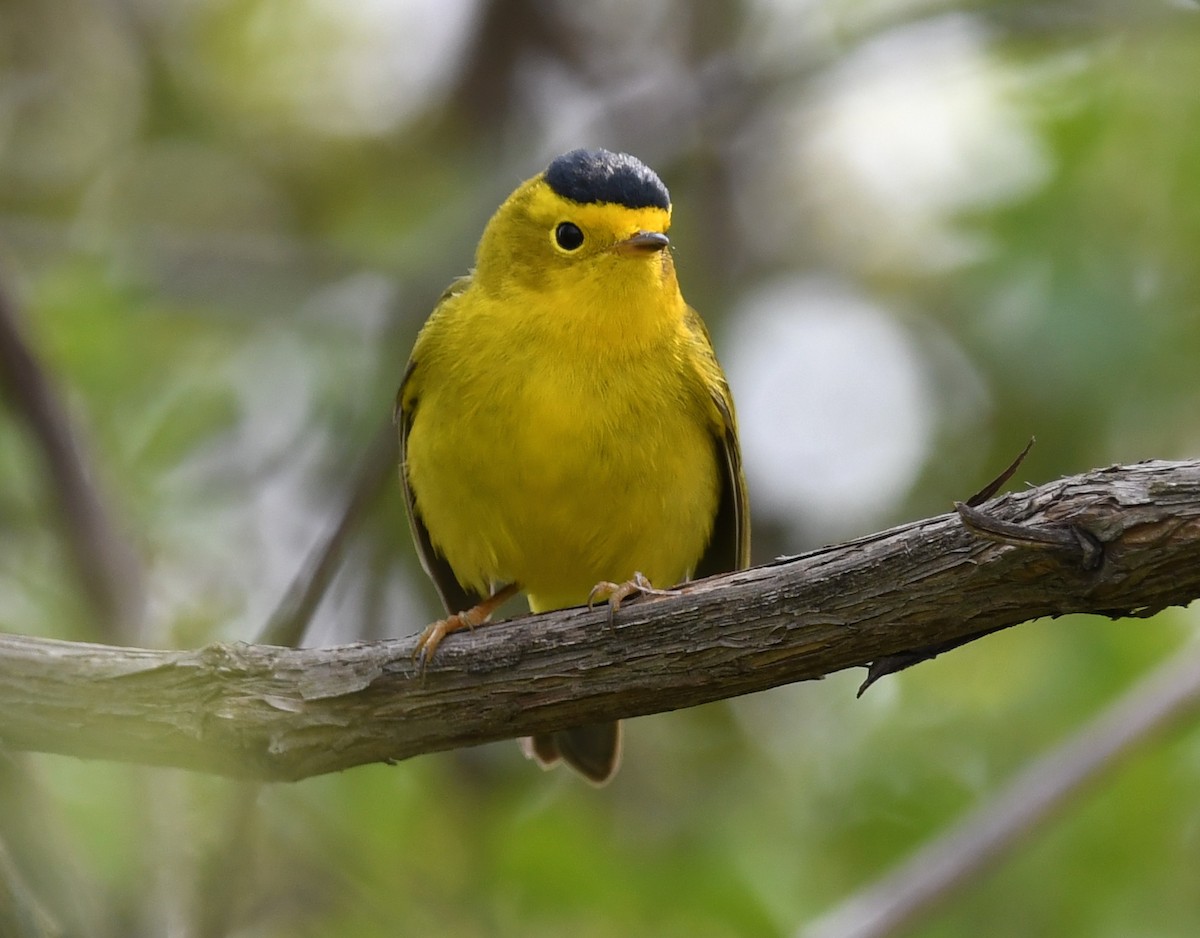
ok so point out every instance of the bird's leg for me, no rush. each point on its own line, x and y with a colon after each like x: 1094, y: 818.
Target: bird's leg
x: 431, y: 637
x: 616, y: 593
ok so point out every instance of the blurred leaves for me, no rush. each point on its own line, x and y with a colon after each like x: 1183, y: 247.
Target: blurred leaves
x: 225, y: 220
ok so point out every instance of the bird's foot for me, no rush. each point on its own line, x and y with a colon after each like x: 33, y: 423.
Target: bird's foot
x: 431, y: 636
x: 616, y: 593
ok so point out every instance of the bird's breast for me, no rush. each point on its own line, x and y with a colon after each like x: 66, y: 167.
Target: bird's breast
x: 595, y: 469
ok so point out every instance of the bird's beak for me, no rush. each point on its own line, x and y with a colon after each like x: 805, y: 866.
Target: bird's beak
x: 642, y: 242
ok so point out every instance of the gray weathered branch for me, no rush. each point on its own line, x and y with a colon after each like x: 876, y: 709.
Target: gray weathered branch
x: 1123, y: 541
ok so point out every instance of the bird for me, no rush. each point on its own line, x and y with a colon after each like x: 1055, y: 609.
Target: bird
x: 566, y: 431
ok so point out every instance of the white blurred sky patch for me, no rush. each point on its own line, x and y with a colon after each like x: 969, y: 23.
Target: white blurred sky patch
x: 342, y: 67
x: 838, y: 401
x: 392, y: 59
x: 897, y: 138
x: 835, y: 411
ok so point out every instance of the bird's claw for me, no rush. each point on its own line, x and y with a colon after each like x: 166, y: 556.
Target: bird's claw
x: 616, y: 593
x: 431, y: 637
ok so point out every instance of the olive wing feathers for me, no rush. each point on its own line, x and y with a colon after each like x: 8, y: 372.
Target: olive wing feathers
x: 455, y: 597
x: 729, y: 544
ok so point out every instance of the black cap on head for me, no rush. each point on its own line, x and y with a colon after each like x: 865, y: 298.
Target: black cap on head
x: 602, y: 176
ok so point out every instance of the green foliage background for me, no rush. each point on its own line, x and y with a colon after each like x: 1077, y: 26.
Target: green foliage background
x: 223, y: 222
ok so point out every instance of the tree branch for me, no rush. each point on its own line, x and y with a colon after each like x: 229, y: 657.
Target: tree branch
x: 1119, y: 541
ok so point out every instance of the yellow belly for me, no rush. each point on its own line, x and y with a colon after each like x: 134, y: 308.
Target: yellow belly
x: 570, y: 477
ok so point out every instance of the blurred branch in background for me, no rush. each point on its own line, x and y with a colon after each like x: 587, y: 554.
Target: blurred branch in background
x: 21, y: 916
x: 108, y: 572
x: 943, y: 867
x: 292, y: 616
x: 47, y: 871
x: 268, y: 713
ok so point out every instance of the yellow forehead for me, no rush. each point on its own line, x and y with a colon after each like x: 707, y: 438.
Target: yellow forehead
x: 550, y: 208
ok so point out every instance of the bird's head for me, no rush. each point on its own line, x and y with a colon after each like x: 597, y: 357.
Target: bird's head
x: 593, y: 226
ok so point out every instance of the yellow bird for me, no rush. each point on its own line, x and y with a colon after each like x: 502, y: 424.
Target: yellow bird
x: 565, y: 429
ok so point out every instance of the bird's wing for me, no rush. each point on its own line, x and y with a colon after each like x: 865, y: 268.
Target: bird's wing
x: 455, y: 597
x: 729, y: 545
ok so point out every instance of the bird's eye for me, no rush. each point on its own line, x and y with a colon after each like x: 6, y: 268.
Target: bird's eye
x: 568, y: 236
